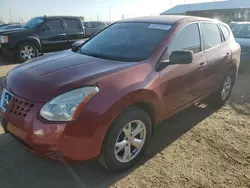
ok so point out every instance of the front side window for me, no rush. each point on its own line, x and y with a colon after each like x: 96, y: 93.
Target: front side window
x: 96, y: 24
x: 126, y: 41
x: 54, y: 24
x: 187, y: 39
x: 34, y: 23
x: 88, y: 25
x: 102, y: 25
x: 241, y: 31
x: 211, y: 35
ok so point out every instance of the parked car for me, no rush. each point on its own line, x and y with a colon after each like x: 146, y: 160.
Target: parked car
x: 3, y: 25
x: 12, y: 26
x: 41, y: 34
x: 241, y: 33
x: 103, y: 99
x: 91, y: 28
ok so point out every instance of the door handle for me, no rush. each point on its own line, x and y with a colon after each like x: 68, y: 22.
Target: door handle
x: 202, y: 65
x: 80, y: 33
x: 227, y: 55
x: 62, y: 34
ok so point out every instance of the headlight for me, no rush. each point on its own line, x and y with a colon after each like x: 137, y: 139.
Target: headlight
x: 66, y: 107
x: 4, y: 39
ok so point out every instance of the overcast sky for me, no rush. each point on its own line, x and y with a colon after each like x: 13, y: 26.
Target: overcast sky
x: 90, y: 9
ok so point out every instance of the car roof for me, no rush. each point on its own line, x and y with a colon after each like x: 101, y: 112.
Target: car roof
x: 235, y: 23
x: 94, y: 22
x: 165, y: 19
x: 51, y: 17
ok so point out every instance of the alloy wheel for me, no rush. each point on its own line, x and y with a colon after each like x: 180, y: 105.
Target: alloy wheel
x: 27, y: 52
x: 130, y: 141
x: 226, y: 89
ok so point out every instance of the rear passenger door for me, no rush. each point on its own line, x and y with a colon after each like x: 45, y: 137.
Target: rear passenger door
x: 74, y: 30
x: 217, y: 52
x: 182, y: 84
x: 52, y: 34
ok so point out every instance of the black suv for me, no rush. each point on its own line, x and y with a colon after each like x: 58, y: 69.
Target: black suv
x: 41, y: 34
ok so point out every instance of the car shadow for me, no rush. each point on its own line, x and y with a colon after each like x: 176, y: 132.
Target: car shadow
x: 240, y: 96
x: 19, y: 168
x: 7, y: 61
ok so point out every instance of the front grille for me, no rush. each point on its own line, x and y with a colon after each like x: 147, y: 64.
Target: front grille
x: 19, y: 107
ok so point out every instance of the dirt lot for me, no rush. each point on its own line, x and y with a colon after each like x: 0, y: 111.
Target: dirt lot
x: 199, y: 147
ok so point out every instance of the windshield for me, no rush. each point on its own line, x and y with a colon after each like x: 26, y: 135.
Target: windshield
x: 241, y: 31
x: 126, y: 41
x: 34, y: 23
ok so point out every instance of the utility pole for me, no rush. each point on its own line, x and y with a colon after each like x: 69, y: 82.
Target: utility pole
x: 97, y: 17
x: 10, y: 15
x: 110, y: 14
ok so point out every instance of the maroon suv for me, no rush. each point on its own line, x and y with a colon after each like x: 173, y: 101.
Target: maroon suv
x: 103, y: 98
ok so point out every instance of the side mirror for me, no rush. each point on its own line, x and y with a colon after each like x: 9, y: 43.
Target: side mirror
x: 46, y: 28
x: 176, y: 57
x: 76, y: 45
x: 181, y: 57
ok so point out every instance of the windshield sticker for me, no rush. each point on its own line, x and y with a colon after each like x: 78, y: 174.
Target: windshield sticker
x: 159, y: 26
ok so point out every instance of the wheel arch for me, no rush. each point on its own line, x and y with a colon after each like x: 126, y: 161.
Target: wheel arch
x: 31, y: 40
x: 149, y: 109
x: 234, y: 70
x: 145, y: 99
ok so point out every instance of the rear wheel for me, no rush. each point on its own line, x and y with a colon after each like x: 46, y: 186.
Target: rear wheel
x: 26, y: 51
x: 221, y: 96
x: 127, y: 140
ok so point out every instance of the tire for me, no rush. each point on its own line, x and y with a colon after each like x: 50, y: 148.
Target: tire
x: 111, y: 158
x: 28, y: 48
x: 218, y: 99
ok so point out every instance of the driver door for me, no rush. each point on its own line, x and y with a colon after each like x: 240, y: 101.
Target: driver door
x: 182, y: 84
x: 53, y: 35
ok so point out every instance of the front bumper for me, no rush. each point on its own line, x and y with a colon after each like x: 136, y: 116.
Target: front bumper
x: 6, y: 50
x: 74, y: 141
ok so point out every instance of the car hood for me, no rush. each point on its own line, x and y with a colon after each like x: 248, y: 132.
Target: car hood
x: 14, y: 31
x: 44, y: 78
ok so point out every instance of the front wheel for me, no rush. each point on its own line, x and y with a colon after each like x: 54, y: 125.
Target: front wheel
x: 126, y: 140
x: 26, y: 51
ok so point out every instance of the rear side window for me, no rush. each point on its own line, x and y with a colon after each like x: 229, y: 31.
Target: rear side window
x: 225, y: 31
x: 211, y: 35
x: 187, y: 39
x: 72, y: 24
x: 54, y: 24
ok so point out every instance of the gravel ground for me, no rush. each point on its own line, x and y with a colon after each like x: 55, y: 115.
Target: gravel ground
x: 199, y: 147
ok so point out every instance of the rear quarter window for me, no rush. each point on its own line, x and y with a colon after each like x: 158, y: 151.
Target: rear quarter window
x: 225, y: 31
